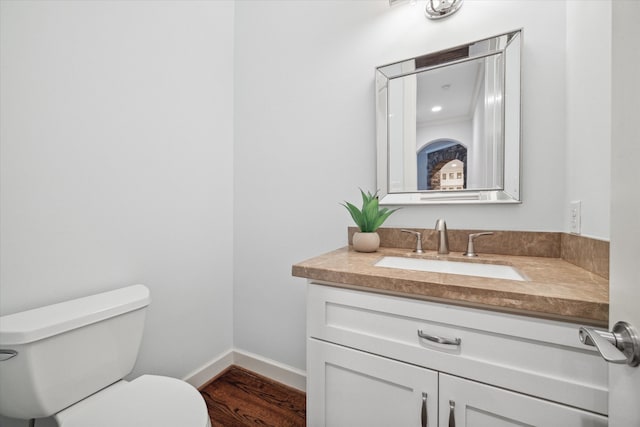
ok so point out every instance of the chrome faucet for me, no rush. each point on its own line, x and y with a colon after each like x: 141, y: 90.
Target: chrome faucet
x: 443, y: 237
x: 470, y: 249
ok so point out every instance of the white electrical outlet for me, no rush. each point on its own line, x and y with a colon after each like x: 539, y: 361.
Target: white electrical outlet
x: 575, y: 216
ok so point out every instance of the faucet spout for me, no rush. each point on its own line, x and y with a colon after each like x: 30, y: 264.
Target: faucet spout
x: 443, y: 237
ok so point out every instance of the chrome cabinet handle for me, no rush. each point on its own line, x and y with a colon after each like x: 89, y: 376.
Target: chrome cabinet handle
x: 438, y: 339
x: 424, y: 416
x: 452, y: 415
x: 621, y: 345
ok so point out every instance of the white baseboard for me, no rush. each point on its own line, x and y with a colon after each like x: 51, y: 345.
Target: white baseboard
x: 276, y: 371
x: 204, y: 374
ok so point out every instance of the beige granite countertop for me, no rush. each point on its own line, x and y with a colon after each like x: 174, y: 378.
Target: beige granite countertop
x: 556, y: 289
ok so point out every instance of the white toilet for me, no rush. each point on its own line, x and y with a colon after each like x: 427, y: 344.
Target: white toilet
x: 68, y: 360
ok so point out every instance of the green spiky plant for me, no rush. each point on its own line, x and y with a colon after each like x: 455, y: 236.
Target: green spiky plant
x: 371, y: 216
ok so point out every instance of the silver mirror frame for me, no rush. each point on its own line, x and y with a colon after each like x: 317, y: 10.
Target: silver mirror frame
x: 511, y: 129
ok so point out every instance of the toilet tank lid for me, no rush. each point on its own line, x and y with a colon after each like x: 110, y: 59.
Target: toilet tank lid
x: 39, y: 323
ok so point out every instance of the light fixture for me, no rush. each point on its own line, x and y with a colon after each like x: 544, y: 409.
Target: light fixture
x: 436, y: 108
x: 438, y: 9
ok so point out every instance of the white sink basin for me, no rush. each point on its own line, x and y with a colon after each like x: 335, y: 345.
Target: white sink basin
x: 452, y: 267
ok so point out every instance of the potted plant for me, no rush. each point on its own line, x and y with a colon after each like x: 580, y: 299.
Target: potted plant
x: 368, y: 219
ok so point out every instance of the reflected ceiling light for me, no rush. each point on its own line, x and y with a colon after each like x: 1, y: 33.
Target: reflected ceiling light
x: 438, y: 9
x: 436, y: 108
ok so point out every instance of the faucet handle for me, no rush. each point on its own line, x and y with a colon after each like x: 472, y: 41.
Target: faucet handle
x: 470, y: 249
x: 418, y: 235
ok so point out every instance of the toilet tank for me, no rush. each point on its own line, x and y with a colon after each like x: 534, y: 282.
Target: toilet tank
x: 68, y: 351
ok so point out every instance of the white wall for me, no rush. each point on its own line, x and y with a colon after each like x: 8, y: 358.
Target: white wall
x: 304, y: 141
x: 588, y: 115
x: 304, y: 138
x: 116, y: 151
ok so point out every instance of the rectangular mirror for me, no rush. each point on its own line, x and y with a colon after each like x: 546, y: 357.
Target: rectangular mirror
x: 448, y: 125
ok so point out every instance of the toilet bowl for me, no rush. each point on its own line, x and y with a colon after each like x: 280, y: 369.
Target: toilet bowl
x: 149, y: 400
x: 68, y: 360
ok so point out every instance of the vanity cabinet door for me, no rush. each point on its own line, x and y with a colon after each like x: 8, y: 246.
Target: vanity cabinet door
x: 346, y: 387
x: 480, y: 405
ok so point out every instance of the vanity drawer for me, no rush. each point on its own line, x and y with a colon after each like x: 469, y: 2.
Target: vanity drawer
x: 539, y: 357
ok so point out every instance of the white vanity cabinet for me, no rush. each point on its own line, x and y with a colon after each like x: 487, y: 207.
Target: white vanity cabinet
x: 371, y: 361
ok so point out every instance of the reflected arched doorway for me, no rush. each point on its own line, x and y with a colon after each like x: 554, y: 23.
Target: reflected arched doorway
x: 433, y: 156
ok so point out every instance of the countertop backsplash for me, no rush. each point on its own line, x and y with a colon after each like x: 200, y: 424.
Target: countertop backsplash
x: 585, y: 252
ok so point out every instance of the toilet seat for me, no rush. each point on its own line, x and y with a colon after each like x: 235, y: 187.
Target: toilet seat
x: 148, y: 400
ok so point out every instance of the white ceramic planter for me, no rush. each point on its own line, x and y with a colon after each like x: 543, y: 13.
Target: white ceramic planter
x: 366, y: 242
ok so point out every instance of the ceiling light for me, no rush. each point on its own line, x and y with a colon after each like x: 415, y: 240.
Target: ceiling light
x: 436, y: 108
x: 438, y: 9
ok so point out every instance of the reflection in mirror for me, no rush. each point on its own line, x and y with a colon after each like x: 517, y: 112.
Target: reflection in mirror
x: 448, y: 125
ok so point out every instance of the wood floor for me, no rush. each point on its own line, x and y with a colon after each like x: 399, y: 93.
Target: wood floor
x: 242, y: 398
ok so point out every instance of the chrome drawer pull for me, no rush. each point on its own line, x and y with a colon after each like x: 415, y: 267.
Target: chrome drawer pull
x: 452, y: 415
x: 424, y: 416
x: 439, y: 340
